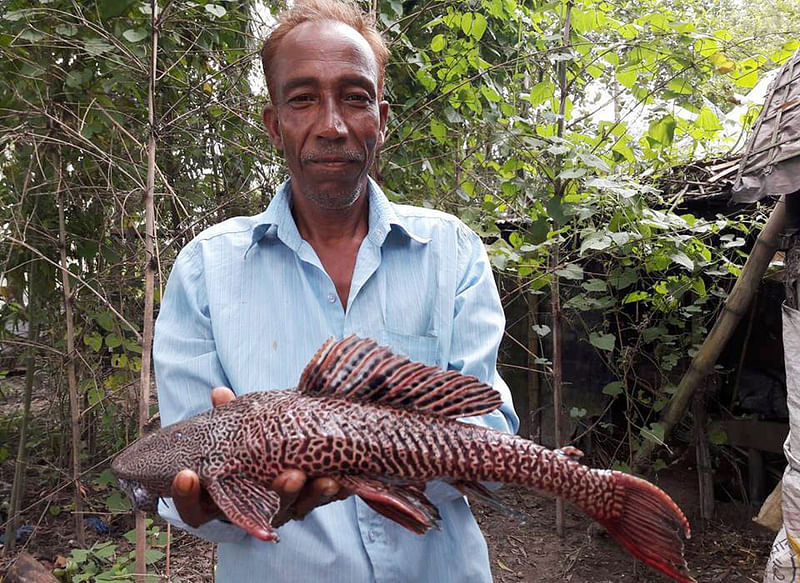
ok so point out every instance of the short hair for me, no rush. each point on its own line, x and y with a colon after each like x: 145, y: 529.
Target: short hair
x: 344, y: 11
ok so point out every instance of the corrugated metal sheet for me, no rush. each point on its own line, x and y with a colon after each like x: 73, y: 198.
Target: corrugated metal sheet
x: 770, y: 165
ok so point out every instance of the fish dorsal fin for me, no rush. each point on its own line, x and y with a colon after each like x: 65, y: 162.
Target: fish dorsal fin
x: 360, y: 370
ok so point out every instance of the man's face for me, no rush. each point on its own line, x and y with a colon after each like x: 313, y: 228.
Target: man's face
x: 325, y: 116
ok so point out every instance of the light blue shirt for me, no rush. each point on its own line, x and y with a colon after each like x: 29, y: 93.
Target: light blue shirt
x: 247, y: 305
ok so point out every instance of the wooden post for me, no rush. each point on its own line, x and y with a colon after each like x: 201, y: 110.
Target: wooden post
x: 705, y: 471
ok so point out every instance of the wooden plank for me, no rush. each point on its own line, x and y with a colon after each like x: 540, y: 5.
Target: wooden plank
x: 754, y: 434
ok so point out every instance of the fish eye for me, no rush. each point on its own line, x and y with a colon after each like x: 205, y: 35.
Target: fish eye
x: 177, y: 435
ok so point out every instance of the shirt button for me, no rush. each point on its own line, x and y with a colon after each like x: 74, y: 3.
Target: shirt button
x: 331, y: 298
x: 372, y: 536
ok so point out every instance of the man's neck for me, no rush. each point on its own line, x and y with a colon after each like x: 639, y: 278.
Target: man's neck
x: 328, y: 226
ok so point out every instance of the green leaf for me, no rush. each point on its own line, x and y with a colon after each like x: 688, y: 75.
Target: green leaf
x: 153, y: 556
x: 572, y: 173
x: 663, y: 130
x: 216, y: 10
x: 96, y: 46
x: 135, y: 35
x: 597, y: 241
x: 681, y: 85
x: 613, y: 389
x: 117, y: 503
x: 438, y: 43
x: 478, y: 26
x: 577, y: 412
x: 466, y: 23
x: 113, y: 340
x: 93, y: 341
x: 541, y: 92
x: 571, y: 271
x: 95, y: 395
x: 438, y: 130
x: 683, y: 259
x: 105, y: 320
x: 636, y: 296
x: 602, y: 341
x: 706, y: 120
x: 595, y: 285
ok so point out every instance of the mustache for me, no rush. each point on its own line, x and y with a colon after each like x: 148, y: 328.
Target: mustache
x: 348, y: 155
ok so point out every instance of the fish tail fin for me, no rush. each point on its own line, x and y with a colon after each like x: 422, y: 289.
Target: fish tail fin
x: 648, y: 524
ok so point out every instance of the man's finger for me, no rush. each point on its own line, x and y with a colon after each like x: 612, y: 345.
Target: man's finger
x: 318, y: 493
x: 221, y: 395
x: 186, y: 496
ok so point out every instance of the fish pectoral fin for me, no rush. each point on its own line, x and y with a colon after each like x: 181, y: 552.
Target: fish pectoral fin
x: 249, y: 504
x: 478, y: 491
x: 405, y: 504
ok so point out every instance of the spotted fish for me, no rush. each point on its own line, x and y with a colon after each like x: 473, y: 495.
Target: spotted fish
x: 383, y: 425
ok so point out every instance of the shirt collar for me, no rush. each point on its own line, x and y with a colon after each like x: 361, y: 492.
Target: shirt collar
x: 276, y: 222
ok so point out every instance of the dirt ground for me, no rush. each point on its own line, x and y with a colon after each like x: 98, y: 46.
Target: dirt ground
x: 730, y: 550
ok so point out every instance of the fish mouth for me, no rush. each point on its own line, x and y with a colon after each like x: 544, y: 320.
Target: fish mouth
x: 141, y: 498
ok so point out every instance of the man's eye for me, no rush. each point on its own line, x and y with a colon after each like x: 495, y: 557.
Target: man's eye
x: 358, y: 98
x: 301, y: 99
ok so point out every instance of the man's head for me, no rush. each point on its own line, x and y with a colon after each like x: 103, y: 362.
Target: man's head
x: 324, y: 10
x: 325, y: 78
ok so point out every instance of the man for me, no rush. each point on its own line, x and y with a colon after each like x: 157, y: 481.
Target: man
x: 250, y: 300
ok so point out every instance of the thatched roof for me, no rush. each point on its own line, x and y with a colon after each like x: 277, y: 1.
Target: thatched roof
x: 770, y: 165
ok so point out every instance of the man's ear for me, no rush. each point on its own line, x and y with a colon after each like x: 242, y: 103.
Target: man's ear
x: 273, y: 126
x: 383, y: 110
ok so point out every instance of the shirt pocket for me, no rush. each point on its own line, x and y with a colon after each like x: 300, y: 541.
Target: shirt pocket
x: 424, y: 349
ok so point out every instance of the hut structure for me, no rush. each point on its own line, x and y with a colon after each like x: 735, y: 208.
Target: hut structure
x: 770, y: 167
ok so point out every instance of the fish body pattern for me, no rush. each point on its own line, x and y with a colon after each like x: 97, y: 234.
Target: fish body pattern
x: 382, y: 426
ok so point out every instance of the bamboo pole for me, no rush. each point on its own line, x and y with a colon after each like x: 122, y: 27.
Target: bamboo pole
x: 149, y: 274
x: 744, y: 290
x: 74, y: 408
x: 555, y: 260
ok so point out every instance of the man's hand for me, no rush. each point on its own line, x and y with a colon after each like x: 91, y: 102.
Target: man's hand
x: 298, y: 495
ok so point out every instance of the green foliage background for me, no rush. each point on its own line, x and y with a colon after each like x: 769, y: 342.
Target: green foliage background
x: 497, y: 116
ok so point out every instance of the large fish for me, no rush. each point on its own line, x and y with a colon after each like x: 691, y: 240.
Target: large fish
x: 383, y: 425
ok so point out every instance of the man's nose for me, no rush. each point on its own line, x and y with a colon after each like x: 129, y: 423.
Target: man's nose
x: 331, y: 123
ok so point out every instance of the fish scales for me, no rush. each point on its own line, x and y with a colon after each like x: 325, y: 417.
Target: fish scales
x: 383, y: 425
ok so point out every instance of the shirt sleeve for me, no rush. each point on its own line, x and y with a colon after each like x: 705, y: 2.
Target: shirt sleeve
x: 478, y: 327
x: 187, y: 366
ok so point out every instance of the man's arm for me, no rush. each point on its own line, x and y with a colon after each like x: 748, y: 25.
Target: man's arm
x: 187, y: 366
x: 478, y: 327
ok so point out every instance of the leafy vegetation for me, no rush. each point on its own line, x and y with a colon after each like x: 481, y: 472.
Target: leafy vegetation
x: 543, y: 125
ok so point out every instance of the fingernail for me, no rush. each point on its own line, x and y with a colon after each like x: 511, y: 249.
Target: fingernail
x: 330, y: 491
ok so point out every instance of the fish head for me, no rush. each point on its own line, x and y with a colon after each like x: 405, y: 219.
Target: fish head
x: 147, y: 467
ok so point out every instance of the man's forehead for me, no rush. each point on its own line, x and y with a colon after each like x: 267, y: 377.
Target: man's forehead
x: 326, y: 40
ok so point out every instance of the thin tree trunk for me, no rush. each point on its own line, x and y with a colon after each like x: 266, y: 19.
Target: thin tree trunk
x: 20, y: 465
x: 74, y: 409
x: 149, y: 274
x: 555, y: 260
x: 534, y: 386
x: 744, y: 290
